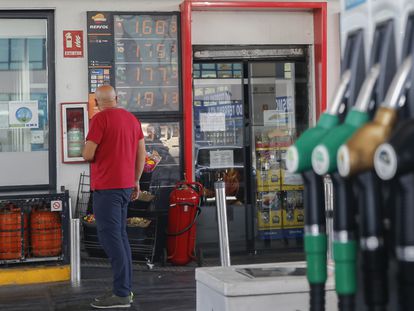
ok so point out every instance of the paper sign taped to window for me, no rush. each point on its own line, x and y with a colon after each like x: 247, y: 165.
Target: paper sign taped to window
x: 221, y: 158
x: 23, y: 114
x: 212, y: 122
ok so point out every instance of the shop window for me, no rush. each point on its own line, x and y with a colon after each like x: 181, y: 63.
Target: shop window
x: 16, y: 53
x: 27, y: 146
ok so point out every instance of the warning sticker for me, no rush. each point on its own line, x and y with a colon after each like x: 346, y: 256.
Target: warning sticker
x: 56, y: 206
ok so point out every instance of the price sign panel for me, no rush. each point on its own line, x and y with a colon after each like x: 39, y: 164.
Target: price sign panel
x: 138, y: 53
x: 146, y: 62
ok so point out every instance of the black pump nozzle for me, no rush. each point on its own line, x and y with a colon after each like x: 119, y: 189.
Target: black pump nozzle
x: 395, y: 160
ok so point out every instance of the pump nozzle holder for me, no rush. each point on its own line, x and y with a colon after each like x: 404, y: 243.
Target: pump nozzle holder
x: 357, y: 155
x: 298, y: 157
x: 396, y: 157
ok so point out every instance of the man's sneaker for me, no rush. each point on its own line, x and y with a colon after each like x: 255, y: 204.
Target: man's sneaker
x: 112, y: 301
x: 104, y: 296
x: 109, y: 294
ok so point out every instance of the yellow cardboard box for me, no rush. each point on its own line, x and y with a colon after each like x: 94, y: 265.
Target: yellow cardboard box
x: 269, y: 219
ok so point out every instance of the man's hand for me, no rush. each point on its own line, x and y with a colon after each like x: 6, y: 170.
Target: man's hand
x: 135, y: 192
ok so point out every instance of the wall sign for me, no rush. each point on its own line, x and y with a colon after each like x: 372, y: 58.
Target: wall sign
x: 72, y: 43
x: 138, y: 53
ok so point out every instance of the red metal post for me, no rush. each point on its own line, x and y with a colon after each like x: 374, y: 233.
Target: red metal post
x: 187, y: 69
x: 320, y: 37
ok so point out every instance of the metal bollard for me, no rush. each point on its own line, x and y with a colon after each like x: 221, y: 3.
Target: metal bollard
x: 220, y: 189
x: 75, y: 266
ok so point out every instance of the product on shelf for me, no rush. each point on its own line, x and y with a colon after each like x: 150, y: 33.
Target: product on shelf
x: 151, y: 161
x: 131, y: 222
x: 138, y: 222
x: 293, y: 214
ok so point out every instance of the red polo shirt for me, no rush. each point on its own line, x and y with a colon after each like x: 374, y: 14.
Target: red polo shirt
x: 116, y: 132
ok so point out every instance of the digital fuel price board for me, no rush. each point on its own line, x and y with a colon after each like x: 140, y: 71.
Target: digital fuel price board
x: 144, y: 64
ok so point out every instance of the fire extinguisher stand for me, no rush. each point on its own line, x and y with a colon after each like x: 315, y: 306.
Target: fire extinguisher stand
x: 220, y: 188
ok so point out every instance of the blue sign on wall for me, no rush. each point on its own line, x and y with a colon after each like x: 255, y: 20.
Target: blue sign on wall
x: 349, y: 4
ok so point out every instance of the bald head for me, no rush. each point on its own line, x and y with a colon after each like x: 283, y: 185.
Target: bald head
x: 105, y: 97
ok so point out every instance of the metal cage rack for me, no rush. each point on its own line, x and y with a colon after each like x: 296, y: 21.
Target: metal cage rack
x: 142, y: 240
x: 32, y: 229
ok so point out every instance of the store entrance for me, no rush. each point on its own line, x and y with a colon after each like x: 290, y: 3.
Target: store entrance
x: 247, y: 111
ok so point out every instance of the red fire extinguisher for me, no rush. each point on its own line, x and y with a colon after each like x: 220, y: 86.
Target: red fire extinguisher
x: 184, y: 210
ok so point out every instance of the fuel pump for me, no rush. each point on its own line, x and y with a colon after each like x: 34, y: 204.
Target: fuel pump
x: 299, y: 161
x: 355, y: 158
x: 394, y: 160
x: 324, y: 162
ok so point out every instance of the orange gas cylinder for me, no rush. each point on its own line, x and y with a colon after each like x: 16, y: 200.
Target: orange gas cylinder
x: 46, y: 233
x: 11, y: 232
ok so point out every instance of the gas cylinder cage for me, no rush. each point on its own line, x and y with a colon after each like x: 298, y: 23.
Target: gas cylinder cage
x: 34, y: 227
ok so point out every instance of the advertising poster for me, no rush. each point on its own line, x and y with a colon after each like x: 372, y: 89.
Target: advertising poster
x: 100, y: 54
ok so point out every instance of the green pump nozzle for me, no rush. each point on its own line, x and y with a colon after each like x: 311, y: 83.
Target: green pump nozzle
x: 324, y: 154
x: 299, y: 161
x: 323, y: 162
x: 298, y: 157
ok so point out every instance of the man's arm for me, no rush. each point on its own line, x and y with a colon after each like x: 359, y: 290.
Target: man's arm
x: 88, y: 152
x: 139, y: 166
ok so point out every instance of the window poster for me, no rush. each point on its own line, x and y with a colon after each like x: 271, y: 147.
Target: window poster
x: 23, y: 114
x: 212, y: 122
x: 283, y: 115
x: 221, y: 158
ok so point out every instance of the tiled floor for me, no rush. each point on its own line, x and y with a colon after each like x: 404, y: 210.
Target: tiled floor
x: 154, y: 290
x: 168, y: 288
x: 160, y: 289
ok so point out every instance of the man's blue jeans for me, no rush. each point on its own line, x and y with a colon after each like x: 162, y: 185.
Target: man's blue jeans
x: 110, y: 208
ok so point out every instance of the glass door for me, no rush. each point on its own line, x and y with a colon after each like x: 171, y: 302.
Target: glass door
x: 276, y: 193
x: 246, y: 114
x: 162, y: 139
x: 219, y: 149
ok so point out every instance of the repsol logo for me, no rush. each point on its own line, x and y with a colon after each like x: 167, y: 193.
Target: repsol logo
x: 99, y: 27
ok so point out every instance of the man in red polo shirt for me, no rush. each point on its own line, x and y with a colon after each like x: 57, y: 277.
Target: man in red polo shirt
x: 115, y: 147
